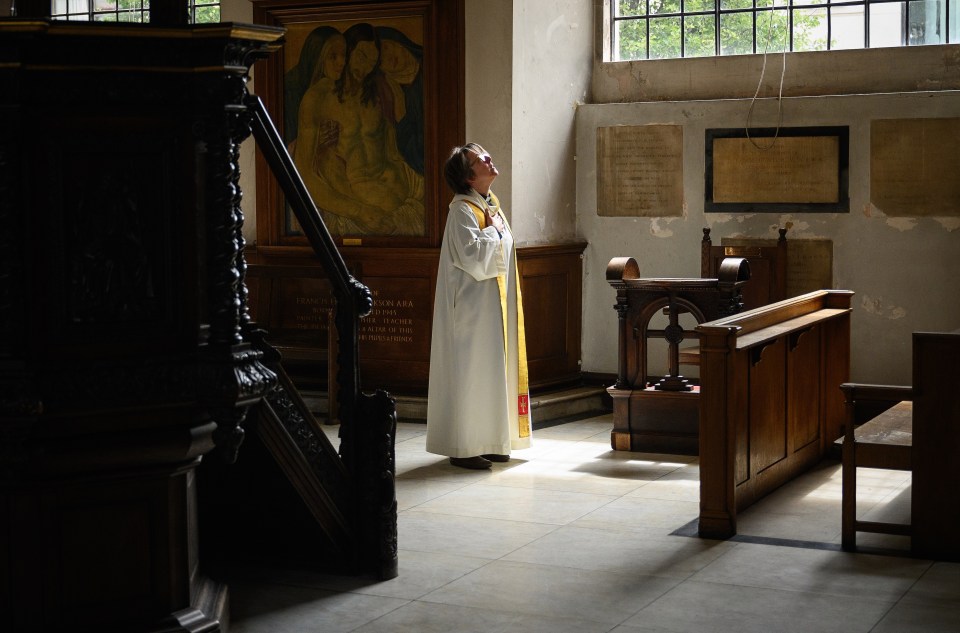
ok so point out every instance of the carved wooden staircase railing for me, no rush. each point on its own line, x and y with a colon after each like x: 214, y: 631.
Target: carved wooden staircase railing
x: 349, y: 494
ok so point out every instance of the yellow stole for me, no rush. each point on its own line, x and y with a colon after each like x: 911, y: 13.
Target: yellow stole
x: 523, y: 386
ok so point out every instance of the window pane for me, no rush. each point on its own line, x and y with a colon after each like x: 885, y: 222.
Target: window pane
x: 773, y: 26
x: 664, y: 38
x: 954, y: 20
x: 699, y: 37
x: 631, y: 7
x: 79, y: 6
x: 736, y: 33
x: 885, y: 24
x: 631, y: 40
x: 927, y: 21
x: 847, y: 27
x: 664, y: 6
x: 772, y: 33
x: 207, y: 15
x: 810, y: 30
x: 696, y: 6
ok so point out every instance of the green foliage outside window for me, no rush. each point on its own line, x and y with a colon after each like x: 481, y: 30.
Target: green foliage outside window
x: 126, y: 10
x: 666, y: 28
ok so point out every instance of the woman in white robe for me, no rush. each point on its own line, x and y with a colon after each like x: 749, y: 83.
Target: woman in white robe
x: 478, y: 401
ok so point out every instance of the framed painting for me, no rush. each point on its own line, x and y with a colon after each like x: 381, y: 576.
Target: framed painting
x: 356, y: 95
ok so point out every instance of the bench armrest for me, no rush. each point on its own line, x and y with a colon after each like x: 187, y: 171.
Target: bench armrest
x: 858, y: 391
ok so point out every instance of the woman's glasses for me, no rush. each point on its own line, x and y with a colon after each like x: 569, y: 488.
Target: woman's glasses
x: 481, y: 158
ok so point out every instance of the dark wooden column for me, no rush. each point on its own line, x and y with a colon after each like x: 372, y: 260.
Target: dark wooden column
x: 124, y: 359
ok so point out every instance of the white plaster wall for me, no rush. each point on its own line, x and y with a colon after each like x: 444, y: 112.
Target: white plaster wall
x: 552, y: 64
x: 905, y: 271
x: 488, y: 87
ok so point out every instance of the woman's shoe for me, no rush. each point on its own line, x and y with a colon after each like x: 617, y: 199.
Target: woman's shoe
x: 474, y: 463
x: 496, y: 458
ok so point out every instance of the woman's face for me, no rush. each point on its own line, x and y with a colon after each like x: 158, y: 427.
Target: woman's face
x: 394, y: 56
x: 334, y: 57
x: 363, y: 59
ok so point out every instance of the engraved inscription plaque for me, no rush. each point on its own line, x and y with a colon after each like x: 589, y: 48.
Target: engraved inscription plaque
x: 777, y: 170
x: 790, y: 169
x: 640, y: 171
x: 909, y: 163
x: 397, y: 328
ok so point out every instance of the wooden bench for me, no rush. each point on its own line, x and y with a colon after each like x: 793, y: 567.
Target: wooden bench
x: 885, y: 441
x: 920, y: 432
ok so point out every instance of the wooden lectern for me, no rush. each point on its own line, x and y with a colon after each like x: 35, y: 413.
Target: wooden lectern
x: 662, y: 416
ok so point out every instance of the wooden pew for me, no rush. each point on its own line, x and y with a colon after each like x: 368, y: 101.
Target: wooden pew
x: 920, y: 432
x: 770, y: 406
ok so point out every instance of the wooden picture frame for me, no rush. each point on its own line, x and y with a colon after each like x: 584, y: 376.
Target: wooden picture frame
x: 368, y: 97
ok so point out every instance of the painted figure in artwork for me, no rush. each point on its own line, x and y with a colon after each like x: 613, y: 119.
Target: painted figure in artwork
x: 346, y: 145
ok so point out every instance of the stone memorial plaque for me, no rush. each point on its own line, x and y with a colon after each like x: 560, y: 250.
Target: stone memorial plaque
x: 809, y: 266
x: 809, y: 262
x: 914, y: 166
x: 640, y: 171
x: 790, y: 169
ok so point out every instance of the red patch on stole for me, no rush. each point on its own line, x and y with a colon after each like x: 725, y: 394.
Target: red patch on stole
x: 523, y: 404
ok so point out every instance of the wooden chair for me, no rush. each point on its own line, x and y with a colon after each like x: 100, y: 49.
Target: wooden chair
x: 767, y: 266
x: 920, y: 433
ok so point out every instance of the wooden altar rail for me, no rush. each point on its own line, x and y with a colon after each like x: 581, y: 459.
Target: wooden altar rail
x: 770, y: 403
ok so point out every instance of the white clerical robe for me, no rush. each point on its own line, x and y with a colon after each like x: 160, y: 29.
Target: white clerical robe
x: 472, y: 405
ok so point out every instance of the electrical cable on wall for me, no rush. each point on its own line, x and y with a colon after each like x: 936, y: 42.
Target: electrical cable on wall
x: 763, y: 70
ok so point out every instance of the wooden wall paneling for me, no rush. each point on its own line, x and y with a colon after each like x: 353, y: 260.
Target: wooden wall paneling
x: 836, y: 371
x: 804, y: 385
x: 292, y: 302
x: 551, y: 280
x: 768, y: 390
x: 738, y: 398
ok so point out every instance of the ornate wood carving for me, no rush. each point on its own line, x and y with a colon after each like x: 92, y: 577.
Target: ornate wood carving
x: 121, y: 299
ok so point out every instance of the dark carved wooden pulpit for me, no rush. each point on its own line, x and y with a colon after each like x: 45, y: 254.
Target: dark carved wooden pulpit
x: 124, y: 358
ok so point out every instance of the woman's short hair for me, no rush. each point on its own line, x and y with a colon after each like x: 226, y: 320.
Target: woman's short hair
x: 457, y: 170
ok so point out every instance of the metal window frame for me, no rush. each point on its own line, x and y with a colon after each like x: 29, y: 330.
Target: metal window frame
x: 91, y: 14
x: 789, y: 8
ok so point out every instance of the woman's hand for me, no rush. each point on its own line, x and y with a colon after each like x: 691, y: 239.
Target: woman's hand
x: 493, y: 220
